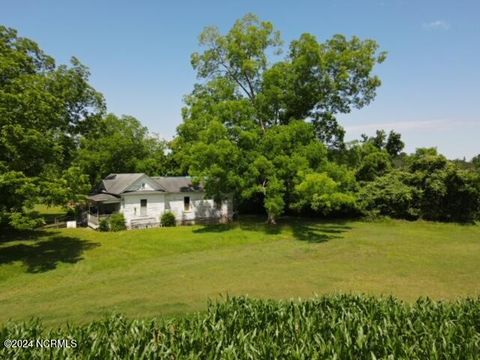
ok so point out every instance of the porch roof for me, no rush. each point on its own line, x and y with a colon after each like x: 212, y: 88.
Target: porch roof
x: 105, y: 198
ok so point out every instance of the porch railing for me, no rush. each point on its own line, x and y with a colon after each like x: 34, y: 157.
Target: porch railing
x: 94, y: 219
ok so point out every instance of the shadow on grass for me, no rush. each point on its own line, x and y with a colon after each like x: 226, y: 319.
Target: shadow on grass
x: 25, y: 235
x: 311, y: 230
x: 318, y: 232
x: 215, y: 228
x: 46, y: 254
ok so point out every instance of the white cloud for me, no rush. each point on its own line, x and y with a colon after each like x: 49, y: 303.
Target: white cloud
x: 437, y: 25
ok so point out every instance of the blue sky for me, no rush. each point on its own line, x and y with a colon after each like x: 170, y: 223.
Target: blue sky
x: 139, y: 55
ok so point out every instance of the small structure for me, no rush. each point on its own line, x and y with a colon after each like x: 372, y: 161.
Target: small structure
x: 71, y: 224
x: 143, y: 200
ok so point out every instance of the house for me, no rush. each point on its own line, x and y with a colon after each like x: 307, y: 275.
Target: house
x: 143, y: 199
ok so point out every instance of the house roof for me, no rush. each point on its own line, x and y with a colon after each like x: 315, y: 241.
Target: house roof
x: 115, y: 184
x: 118, y: 183
x: 176, y: 184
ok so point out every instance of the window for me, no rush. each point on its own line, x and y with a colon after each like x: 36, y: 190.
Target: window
x: 186, y: 203
x: 143, y: 207
x: 218, y: 204
x: 142, y: 187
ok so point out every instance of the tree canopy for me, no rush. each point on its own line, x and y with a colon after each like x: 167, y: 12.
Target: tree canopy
x: 120, y: 145
x: 44, y: 109
x: 257, y: 126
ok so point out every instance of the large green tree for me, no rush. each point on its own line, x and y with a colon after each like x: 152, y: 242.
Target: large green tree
x: 254, y: 126
x: 121, y: 145
x: 44, y: 109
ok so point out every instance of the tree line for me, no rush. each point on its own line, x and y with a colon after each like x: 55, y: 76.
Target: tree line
x: 260, y: 125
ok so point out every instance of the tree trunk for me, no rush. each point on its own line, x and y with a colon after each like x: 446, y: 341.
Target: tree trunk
x: 271, y: 219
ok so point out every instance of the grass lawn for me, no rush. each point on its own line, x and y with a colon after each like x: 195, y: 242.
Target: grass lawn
x: 79, y: 274
x: 50, y: 214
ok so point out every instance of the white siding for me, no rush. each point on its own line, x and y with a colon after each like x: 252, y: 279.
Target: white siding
x: 200, y: 208
x: 130, y: 206
x: 158, y: 203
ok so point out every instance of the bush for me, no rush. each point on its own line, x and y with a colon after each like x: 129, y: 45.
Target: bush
x: 168, y: 219
x: 329, y: 327
x: 390, y: 195
x: 117, y: 222
x: 431, y: 188
x: 104, y: 225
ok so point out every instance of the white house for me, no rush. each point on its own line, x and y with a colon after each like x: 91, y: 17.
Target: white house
x: 143, y: 200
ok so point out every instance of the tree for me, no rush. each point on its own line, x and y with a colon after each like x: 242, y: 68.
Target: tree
x: 250, y: 165
x: 316, y: 81
x: 284, y: 153
x: 394, y: 144
x: 235, y: 122
x: 322, y: 194
x: 391, y: 195
x: 380, y: 139
x: 319, y: 80
x: 119, y: 145
x: 44, y: 109
x: 448, y: 193
x: 16, y: 192
x: 68, y: 190
x: 372, y: 162
x: 431, y: 187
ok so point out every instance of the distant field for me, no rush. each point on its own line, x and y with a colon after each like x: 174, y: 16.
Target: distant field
x: 80, y: 274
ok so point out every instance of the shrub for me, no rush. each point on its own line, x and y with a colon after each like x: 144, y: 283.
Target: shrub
x: 390, y: 195
x: 117, y: 222
x: 104, y: 225
x: 168, y: 219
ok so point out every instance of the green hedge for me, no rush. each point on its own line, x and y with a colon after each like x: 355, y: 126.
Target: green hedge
x: 341, y: 327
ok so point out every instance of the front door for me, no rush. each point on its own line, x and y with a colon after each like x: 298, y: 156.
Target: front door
x: 143, y: 207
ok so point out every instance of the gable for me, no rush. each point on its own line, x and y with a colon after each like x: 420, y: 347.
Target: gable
x: 117, y: 183
x: 143, y: 184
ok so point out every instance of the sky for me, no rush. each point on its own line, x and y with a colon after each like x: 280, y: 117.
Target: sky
x: 138, y: 53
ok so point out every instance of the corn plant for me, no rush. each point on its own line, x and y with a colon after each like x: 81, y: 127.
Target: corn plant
x: 328, y: 327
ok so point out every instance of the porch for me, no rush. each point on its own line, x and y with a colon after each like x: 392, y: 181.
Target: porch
x: 100, y: 210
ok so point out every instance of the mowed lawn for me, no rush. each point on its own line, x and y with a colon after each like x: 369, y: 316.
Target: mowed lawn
x: 78, y: 275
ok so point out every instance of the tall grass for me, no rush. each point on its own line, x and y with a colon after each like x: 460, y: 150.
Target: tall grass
x: 329, y: 327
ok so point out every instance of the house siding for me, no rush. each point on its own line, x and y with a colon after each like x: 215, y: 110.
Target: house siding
x: 130, y: 207
x: 157, y: 203
x: 200, y: 208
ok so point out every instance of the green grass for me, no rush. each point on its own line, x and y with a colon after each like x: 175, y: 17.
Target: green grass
x: 50, y: 213
x: 79, y: 274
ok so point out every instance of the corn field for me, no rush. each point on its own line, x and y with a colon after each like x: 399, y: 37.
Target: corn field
x: 329, y: 327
